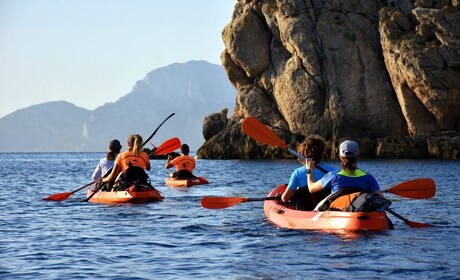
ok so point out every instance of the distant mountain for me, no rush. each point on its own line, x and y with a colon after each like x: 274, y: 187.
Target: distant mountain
x: 52, y: 126
x: 191, y: 90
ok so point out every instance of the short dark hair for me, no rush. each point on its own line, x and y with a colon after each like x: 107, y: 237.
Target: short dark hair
x: 184, y: 149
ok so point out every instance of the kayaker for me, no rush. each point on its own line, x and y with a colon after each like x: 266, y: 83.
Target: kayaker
x: 297, y: 191
x: 106, y: 163
x: 349, y: 176
x: 184, y: 164
x: 130, y: 165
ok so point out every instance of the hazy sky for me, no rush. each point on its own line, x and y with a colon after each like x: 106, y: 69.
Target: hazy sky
x: 89, y: 52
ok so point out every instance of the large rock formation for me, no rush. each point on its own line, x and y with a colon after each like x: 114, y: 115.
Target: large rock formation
x: 384, y: 73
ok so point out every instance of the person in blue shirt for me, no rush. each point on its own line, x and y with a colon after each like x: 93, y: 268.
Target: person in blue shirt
x: 349, y: 176
x: 297, y: 191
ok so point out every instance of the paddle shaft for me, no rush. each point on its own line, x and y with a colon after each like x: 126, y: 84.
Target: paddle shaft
x: 304, y: 158
x: 407, y: 221
x: 155, y: 132
x: 249, y: 199
x: 80, y: 188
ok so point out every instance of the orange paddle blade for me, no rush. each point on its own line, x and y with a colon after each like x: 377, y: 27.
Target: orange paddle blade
x: 418, y: 188
x: 63, y: 196
x: 58, y: 196
x: 168, y: 146
x: 218, y: 202
x: 413, y: 224
x: 261, y: 133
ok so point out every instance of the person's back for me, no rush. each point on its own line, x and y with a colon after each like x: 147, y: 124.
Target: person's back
x: 130, y: 159
x: 345, y: 179
x: 105, y: 164
x: 184, y: 164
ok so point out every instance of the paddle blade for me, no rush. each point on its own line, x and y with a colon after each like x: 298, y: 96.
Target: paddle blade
x: 218, y: 202
x: 413, y: 224
x: 261, y: 133
x: 65, y: 195
x: 58, y: 196
x: 418, y: 188
x: 168, y: 146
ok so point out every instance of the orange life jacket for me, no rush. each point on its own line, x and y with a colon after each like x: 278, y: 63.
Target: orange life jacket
x: 125, y: 158
x: 184, y: 162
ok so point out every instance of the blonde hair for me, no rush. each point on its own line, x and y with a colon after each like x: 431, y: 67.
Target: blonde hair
x: 135, y: 144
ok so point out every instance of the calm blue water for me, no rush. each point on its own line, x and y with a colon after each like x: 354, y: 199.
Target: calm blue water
x: 178, y: 239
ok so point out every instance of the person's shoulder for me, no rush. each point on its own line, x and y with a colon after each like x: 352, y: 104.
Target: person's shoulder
x: 331, y: 173
x: 329, y: 168
x: 301, y: 169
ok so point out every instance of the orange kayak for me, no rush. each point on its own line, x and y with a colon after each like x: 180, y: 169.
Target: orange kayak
x: 173, y: 182
x: 285, y: 217
x: 126, y: 196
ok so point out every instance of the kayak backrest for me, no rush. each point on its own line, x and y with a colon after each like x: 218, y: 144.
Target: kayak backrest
x: 326, y: 205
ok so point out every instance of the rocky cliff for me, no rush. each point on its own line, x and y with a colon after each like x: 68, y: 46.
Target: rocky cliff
x: 385, y: 73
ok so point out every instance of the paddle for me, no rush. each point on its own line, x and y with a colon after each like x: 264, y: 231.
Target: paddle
x: 220, y: 202
x: 260, y: 132
x: 155, y: 131
x: 168, y: 146
x: 412, y: 224
x: 421, y: 188
x: 63, y: 196
x: 418, y: 188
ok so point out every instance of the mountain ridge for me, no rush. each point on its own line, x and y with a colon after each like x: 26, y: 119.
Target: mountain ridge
x: 192, y: 90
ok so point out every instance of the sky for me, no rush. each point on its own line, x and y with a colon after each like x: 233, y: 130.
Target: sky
x: 90, y: 52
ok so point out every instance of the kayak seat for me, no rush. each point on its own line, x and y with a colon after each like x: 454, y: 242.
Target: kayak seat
x: 183, y: 175
x: 325, y: 204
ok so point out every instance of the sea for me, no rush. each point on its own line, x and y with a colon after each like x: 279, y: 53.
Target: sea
x: 179, y: 239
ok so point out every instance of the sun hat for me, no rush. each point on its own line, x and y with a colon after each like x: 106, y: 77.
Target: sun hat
x: 349, y: 148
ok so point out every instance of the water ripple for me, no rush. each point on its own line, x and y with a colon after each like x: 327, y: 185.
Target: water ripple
x: 178, y: 239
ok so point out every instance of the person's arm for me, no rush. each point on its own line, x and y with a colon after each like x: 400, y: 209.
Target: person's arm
x: 168, y: 162
x: 97, y: 174
x: 112, y: 176
x: 147, y: 160
x: 287, y: 195
x: 375, y: 187
x: 312, y: 185
x: 292, y: 185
